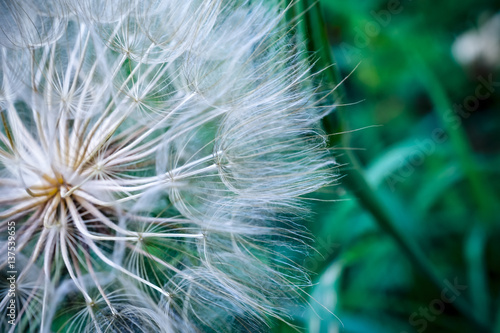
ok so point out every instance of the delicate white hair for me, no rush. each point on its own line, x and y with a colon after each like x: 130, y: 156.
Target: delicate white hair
x: 153, y: 156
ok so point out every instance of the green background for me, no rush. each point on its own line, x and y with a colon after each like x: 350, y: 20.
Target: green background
x: 430, y: 170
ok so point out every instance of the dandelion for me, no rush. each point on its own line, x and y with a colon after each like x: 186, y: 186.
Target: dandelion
x: 152, y: 156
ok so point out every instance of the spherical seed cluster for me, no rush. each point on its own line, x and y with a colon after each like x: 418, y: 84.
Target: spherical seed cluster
x: 152, y: 156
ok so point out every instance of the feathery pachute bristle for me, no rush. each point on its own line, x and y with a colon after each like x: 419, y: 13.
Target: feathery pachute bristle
x: 153, y: 156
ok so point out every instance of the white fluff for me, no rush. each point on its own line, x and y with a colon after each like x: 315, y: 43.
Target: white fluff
x: 153, y: 155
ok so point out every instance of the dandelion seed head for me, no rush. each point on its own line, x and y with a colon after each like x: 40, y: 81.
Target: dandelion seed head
x: 153, y: 155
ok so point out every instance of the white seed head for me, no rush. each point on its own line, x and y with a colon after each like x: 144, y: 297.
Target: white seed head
x: 153, y: 155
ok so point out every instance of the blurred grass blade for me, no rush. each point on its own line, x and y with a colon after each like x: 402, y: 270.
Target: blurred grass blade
x: 475, y: 259
x: 481, y: 191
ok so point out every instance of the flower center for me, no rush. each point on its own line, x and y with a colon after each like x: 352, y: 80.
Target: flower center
x: 50, y: 186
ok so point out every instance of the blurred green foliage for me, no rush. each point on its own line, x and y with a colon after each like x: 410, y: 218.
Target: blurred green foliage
x: 432, y: 164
